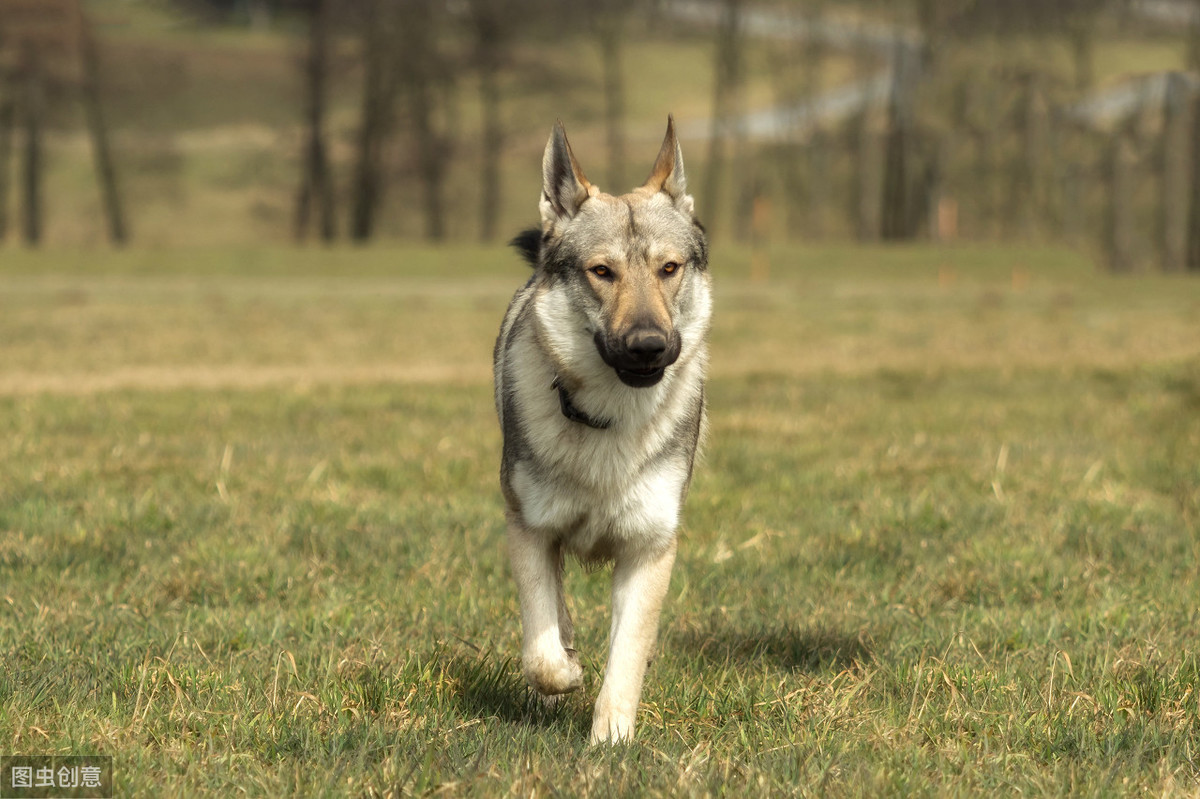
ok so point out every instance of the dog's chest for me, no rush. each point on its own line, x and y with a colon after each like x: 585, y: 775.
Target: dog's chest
x: 596, y: 511
x: 600, y: 490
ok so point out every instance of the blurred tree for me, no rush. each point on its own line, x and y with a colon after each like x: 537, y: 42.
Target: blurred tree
x: 106, y: 173
x: 864, y: 190
x: 813, y: 54
x: 1025, y: 205
x: 608, y: 18
x: 898, y: 219
x: 493, y: 24
x: 1193, y: 38
x: 8, y: 115
x: 728, y: 77
x: 316, y: 182
x: 427, y: 80
x: 32, y: 99
x: 1192, y: 256
x: 29, y: 72
x: 1173, y: 176
x: 257, y: 14
x: 46, y: 47
x: 1118, y: 178
x: 802, y: 161
x: 377, y: 21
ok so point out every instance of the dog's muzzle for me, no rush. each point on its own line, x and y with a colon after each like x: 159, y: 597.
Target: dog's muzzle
x: 640, y: 356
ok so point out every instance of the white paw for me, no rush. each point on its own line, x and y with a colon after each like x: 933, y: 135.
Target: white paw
x: 610, y: 727
x: 554, y: 673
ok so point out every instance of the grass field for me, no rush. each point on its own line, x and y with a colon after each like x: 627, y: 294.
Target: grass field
x: 944, y: 540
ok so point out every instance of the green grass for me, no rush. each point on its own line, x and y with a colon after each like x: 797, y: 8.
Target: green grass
x: 944, y: 539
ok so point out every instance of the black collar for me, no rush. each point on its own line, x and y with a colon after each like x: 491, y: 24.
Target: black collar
x: 574, y: 414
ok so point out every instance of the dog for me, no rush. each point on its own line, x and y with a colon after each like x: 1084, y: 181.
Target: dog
x: 599, y: 373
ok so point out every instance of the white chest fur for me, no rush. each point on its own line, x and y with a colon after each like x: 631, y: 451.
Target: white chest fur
x: 597, y: 490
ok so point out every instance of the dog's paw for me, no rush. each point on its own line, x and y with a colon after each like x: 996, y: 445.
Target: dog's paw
x: 610, y: 728
x: 558, y: 673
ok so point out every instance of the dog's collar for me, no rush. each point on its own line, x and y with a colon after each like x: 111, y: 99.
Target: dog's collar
x: 573, y: 413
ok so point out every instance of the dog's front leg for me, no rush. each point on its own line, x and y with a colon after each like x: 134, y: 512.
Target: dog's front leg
x: 639, y: 586
x: 548, y: 665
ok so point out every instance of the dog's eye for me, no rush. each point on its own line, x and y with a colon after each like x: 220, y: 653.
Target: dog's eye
x: 670, y: 268
x: 602, y: 272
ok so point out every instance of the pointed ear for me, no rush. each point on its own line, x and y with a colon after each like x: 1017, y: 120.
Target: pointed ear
x: 668, y: 175
x: 564, y: 186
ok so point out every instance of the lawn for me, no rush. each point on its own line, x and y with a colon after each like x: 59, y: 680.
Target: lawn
x: 944, y: 539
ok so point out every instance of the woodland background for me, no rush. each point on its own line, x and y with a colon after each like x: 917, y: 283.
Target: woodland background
x: 183, y: 122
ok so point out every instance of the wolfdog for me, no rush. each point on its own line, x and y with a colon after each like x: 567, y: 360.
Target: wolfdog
x: 599, y: 369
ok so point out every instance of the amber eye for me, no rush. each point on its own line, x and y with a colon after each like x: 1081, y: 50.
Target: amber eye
x: 602, y: 272
x: 670, y: 268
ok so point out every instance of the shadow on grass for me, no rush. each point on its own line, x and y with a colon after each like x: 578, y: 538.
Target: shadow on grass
x: 781, y: 646
x: 491, y: 687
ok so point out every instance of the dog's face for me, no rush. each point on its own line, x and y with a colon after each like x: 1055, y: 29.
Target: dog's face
x: 634, y: 267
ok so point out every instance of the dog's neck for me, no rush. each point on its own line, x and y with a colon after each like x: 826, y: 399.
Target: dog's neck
x: 573, y: 413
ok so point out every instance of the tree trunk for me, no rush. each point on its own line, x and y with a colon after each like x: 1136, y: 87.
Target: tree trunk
x: 1173, y: 176
x: 1118, y: 236
x: 898, y: 212
x: 1083, y: 54
x: 726, y: 85
x: 106, y: 174
x: 1024, y: 204
x: 375, y: 117
x: 1192, y: 54
x: 894, y: 211
x: 426, y: 82
x: 609, y: 34
x: 1192, y: 259
x: 32, y: 176
x: 491, y: 37
x: 493, y: 147
x: 864, y: 190
x: 431, y: 157
x: 7, y: 122
x: 316, y: 184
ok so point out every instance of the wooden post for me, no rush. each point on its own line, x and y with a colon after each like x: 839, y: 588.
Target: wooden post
x: 947, y: 219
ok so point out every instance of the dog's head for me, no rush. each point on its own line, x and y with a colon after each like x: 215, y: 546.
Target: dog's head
x: 632, y: 269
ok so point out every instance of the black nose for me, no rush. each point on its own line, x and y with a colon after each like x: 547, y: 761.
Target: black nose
x: 645, y: 344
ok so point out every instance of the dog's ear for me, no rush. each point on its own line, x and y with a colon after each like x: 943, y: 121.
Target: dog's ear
x: 668, y: 175
x: 564, y: 186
